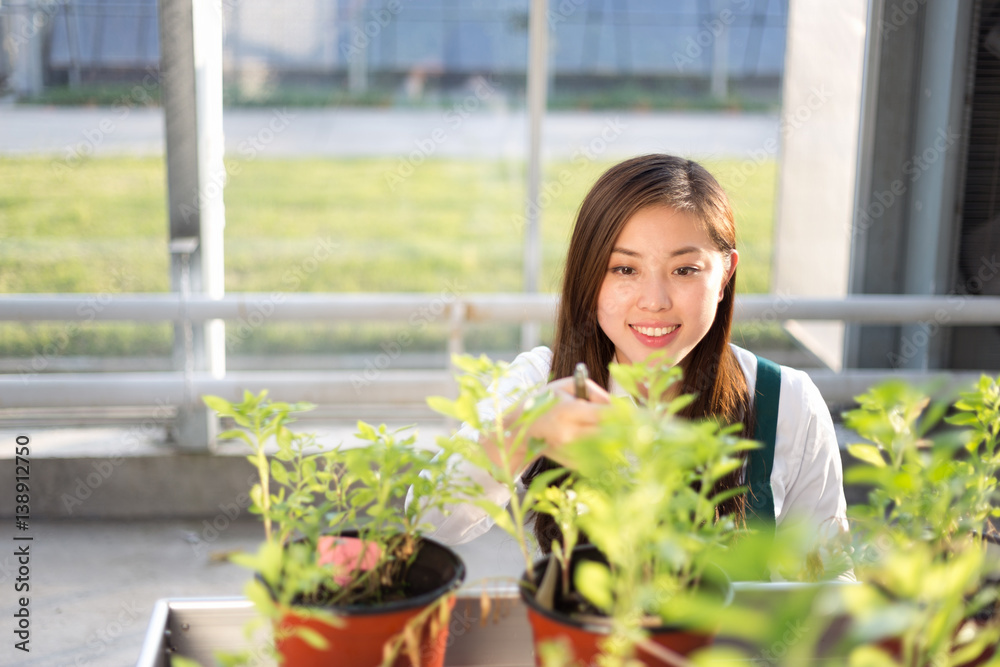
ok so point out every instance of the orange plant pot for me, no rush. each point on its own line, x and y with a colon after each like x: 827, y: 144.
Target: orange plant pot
x: 359, y: 640
x: 584, y: 637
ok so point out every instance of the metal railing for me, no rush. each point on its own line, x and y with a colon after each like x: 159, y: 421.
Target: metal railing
x: 396, y: 387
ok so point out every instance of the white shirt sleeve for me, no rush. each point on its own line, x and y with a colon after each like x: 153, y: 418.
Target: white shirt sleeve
x: 808, y: 478
x: 464, y: 522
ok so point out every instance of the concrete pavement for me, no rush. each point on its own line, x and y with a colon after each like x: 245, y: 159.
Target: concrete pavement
x: 464, y: 130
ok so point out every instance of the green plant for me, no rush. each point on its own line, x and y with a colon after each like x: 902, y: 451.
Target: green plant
x: 922, y: 539
x: 479, y: 388
x: 640, y: 491
x: 646, y: 479
x: 562, y: 503
x: 309, y: 497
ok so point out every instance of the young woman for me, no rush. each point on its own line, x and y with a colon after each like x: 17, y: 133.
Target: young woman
x: 652, y: 266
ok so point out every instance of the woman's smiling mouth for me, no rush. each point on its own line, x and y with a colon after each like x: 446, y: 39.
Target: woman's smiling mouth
x: 654, y: 332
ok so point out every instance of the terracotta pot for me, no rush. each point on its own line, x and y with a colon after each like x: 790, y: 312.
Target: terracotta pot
x: 359, y: 641
x: 584, y: 636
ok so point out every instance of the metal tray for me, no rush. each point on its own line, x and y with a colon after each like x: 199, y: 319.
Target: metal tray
x: 198, y: 627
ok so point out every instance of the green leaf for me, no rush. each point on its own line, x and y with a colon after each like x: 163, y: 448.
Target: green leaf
x: 257, y: 593
x: 470, y: 364
x: 724, y: 655
x: 257, y: 495
x: 311, y: 637
x: 868, y: 453
x: 234, y: 434
x: 681, y: 402
x: 870, y: 656
x: 465, y: 410
x: 543, y: 480
x: 181, y: 661
x: 442, y: 405
x: 366, y: 432
x: 501, y: 517
x: 865, y: 475
x: 283, y: 438
x: 593, y: 580
x: 962, y: 419
x: 625, y: 378
x: 219, y: 404
x: 279, y: 472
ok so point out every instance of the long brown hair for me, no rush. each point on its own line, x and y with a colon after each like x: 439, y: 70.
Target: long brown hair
x: 711, y: 370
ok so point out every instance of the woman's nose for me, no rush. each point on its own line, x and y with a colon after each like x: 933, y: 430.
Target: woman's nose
x: 654, y: 295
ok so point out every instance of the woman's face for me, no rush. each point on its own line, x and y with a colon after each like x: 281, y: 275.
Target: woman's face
x: 663, y: 285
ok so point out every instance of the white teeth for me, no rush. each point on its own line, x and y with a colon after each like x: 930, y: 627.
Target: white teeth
x: 655, y: 331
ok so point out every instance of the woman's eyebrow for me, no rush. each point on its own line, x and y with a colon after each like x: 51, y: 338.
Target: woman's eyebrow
x: 673, y: 253
x: 686, y: 250
x: 625, y: 251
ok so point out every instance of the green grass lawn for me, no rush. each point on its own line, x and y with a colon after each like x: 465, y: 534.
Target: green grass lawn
x: 329, y: 225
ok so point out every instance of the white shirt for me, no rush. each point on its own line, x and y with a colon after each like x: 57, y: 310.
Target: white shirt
x: 806, y: 478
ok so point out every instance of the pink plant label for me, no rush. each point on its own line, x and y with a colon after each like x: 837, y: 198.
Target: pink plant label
x: 347, y: 554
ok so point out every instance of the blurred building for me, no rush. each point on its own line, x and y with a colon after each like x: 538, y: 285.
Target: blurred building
x: 414, y: 44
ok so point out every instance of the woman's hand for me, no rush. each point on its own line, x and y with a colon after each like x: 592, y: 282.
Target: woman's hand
x: 570, y: 417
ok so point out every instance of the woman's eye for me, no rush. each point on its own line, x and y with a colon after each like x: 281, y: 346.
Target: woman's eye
x: 686, y: 271
x: 623, y: 270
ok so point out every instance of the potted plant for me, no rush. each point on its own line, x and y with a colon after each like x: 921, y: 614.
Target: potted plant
x: 923, y: 541
x: 640, y: 492
x: 343, y: 569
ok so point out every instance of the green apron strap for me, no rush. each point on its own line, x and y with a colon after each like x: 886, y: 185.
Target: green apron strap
x: 760, y: 462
